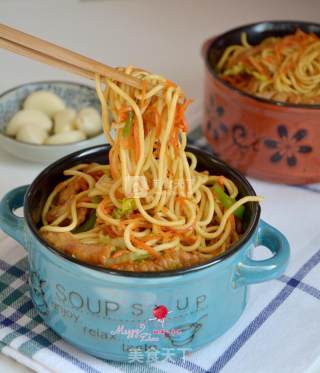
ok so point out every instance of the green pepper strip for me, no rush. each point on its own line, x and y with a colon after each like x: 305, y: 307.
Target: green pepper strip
x: 87, y: 225
x: 227, y: 201
x: 127, y: 206
x: 96, y: 199
x: 128, y: 125
x: 90, y: 222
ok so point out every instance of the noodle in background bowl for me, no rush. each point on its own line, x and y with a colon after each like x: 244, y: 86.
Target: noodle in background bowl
x: 116, y: 314
x: 74, y: 95
x: 267, y: 139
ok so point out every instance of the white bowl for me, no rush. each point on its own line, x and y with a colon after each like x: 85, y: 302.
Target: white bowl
x: 75, y: 95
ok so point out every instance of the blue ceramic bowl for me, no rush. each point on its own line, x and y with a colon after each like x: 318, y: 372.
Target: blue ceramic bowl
x: 120, y: 315
x: 75, y: 95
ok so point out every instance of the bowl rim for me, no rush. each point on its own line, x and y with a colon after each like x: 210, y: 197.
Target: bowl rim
x: 44, y: 146
x: 10, y: 90
x: 55, y: 81
x: 151, y: 275
x: 275, y: 103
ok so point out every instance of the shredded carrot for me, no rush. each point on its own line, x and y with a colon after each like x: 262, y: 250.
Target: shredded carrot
x: 180, y: 121
x: 151, y: 118
x: 113, y: 155
x: 134, y: 215
x: 84, y: 199
x: 81, y: 183
x: 179, y: 232
x: 104, y: 205
x: 181, y: 201
x: 233, y: 222
x: 142, y: 245
x: 169, y: 83
x: 270, y: 59
x: 149, y: 237
x: 160, y: 124
x: 119, y: 253
x: 125, y: 140
x: 119, y: 195
x: 257, y: 65
x: 123, y: 114
x: 143, y: 93
x: 139, y: 223
x: 189, y: 240
x: 107, y: 229
x: 96, y: 174
x: 125, y: 143
x: 137, y: 219
x: 174, y: 140
x: 220, y: 180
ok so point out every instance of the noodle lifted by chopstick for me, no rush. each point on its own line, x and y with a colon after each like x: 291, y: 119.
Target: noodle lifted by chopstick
x: 149, y: 209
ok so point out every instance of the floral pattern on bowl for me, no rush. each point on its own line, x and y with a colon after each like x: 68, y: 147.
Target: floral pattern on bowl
x: 288, y: 146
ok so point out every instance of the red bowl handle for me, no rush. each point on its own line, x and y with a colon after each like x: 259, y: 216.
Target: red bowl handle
x: 206, y: 45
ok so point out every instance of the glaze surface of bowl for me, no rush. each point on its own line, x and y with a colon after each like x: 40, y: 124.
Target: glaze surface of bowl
x: 120, y: 315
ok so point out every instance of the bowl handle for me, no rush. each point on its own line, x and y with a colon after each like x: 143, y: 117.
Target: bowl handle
x: 10, y: 223
x: 250, y: 271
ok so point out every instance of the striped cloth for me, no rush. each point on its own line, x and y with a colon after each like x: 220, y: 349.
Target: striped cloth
x: 278, y: 332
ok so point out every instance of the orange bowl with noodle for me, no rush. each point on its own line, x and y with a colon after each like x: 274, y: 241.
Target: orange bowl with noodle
x: 262, y: 106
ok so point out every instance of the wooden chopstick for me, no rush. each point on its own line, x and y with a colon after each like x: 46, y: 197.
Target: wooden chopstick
x: 26, y: 52
x: 30, y: 46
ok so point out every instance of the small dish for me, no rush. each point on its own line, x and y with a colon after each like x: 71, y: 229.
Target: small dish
x: 75, y: 95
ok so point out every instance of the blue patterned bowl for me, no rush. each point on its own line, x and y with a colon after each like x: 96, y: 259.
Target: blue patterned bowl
x: 114, y: 314
x: 75, y: 95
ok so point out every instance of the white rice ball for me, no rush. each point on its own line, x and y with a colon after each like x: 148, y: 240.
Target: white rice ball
x: 31, y: 134
x: 45, y: 101
x: 89, y: 121
x: 64, y: 120
x: 28, y: 116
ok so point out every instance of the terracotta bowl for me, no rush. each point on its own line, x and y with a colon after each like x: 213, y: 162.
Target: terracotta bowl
x: 263, y: 138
